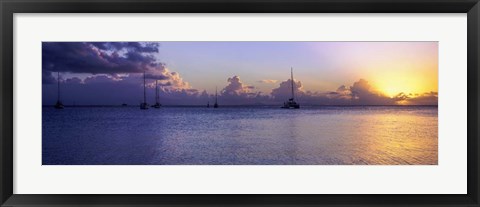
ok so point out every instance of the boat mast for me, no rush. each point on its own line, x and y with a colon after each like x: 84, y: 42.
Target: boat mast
x: 58, y: 86
x: 215, y: 95
x: 156, y: 91
x: 144, y: 92
x: 291, y: 73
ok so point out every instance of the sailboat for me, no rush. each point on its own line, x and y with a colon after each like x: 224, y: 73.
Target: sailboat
x: 215, y: 105
x: 144, y: 105
x: 59, y: 104
x: 291, y: 104
x: 157, y: 103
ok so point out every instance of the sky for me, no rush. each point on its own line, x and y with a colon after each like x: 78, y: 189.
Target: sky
x: 244, y: 73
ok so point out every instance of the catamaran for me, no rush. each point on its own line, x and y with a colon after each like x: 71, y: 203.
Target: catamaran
x: 157, y: 96
x: 144, y: 105
x: 215, y: 105
x: 291, y: 104
x: 59, y: 104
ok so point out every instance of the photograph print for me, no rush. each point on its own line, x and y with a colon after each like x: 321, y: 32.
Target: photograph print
x: 239, y: 103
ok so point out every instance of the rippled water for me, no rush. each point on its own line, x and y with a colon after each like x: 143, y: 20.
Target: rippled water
x: 240, y: 135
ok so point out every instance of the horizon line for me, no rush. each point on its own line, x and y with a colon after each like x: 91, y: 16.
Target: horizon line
x: 228, y: 105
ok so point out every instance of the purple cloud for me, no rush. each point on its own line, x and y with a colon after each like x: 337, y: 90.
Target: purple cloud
x: 363, y: 94
x: 106, y: 89
x: 429, y: 98
x: 47, y: 77
x: 360, y: 93
x: 116, y: 75
x: 236, y: 88
x: 238, y: 93
x: 99, y: 57
x: 268, y: 81
x: 284, y: 91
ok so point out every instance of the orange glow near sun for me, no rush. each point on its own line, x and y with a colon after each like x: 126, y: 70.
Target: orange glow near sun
x: 409, y: 79
x: 406, y: 84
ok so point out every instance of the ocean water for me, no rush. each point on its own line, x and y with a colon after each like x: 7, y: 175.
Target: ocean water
x: 397, y: 135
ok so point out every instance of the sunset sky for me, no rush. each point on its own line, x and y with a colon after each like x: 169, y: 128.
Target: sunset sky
x: 325, y: 73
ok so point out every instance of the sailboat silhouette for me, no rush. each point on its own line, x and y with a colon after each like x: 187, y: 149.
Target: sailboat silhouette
x: 157, y: 96
x: 144, y: 105
x: 215, y: 105
x: 291, y: 104
x: 59, y: 104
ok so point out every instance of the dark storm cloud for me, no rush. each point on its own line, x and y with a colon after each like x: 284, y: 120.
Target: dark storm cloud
x: 148, y: 47
x: 99, y: 57
x: 157, y: 76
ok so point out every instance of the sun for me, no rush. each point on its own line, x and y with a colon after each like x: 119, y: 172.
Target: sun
x: 391, y: 91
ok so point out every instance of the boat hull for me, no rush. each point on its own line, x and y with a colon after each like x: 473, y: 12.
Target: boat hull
x: 143, y: 106
x: 290, y: 107
x: 291, y: 104
x: 59, y: 105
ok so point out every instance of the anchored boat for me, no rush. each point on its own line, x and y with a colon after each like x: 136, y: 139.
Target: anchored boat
x: 144, y: 105
x: 291, y: 103
x: 216, y: 103
x: 59, y: 104
x: 157, y: 97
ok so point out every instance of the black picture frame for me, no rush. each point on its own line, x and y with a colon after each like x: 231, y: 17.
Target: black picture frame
x: 10, y: 7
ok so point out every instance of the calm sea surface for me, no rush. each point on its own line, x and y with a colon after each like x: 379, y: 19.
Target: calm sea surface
x: 240, y: 136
